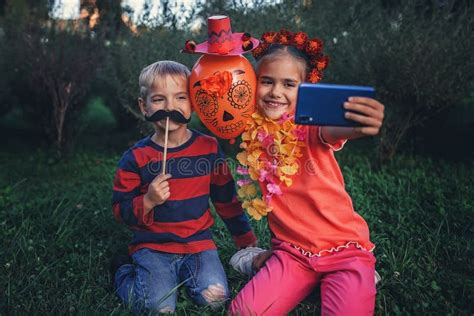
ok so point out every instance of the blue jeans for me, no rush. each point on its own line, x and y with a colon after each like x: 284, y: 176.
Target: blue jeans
x: 150, y: 283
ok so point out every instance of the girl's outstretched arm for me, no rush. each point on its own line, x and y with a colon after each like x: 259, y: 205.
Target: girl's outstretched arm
x: 370, y: 114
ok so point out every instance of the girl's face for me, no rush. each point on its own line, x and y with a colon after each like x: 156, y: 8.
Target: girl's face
x: 277, y: 86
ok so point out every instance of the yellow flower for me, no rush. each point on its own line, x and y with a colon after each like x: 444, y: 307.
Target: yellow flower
x: 289, y: 170
x: 288, y: 181
x: 287, y: 161
x: 287, y: 125
x: 253, y: 174
x: 253, y: 157
x: 258, y: 119
x: 253, y: 135
x: 254, y: 213
x: 261, y: 207
x: 256, y: 208
x: 246, y: 204
x: 287, y: 149
x: 246, y: 191
x: 245, y: 136
x: 242, y: 158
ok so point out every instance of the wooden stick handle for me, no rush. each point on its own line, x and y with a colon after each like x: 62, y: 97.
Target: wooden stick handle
x: 166, y: 145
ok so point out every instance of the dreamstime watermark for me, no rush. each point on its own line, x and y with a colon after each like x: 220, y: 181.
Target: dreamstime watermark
x: 192, y: 167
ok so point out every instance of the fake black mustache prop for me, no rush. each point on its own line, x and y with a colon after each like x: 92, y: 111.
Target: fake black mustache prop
x: 173, y: 115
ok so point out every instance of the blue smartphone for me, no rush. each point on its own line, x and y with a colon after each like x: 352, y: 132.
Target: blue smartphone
x: 323, y: 104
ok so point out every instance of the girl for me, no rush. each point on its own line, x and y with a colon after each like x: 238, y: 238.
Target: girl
x: 318, y: 238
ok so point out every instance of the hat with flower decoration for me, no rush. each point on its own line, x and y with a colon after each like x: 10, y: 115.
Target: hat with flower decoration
x: 221, y: 41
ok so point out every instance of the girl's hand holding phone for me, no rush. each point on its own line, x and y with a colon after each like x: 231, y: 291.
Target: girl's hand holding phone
x: 370, y: 114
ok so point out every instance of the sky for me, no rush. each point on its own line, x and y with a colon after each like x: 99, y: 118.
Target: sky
x: 65, y: 9
x: 69, y: 9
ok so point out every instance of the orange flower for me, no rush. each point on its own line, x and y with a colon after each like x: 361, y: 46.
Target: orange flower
x: 284, y: 37
x: 314, y: 76
x: 300, y: 39
x: 218, y: 84
x: 260, y: 49
x: 269, y: 37
x: 314, y: 46
x: 322, y: 62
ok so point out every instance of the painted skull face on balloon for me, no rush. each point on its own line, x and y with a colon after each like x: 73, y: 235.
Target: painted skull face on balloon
x: 223, y: 93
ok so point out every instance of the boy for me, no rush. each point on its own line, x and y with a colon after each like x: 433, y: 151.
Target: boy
x: 169, y: 213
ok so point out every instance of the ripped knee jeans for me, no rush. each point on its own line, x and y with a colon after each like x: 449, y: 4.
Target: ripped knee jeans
x: 151, y: 283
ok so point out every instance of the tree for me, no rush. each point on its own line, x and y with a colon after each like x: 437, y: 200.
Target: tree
x: 63, y: 64
x: 13, y: 19
x: 58, y: 63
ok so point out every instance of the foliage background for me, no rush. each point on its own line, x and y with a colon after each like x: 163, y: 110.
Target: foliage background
x: 413, y: 183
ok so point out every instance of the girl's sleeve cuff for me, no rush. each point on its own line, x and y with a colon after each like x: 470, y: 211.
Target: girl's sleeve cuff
x: 336, y: 146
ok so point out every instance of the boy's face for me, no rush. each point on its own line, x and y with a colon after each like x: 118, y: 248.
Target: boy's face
x: 167, y: 93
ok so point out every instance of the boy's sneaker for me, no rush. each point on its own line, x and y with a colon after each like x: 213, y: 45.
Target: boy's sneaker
x: 242, y: 260
x: 118, y: 260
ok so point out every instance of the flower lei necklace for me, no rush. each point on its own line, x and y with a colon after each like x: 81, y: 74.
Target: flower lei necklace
x: 270, y: 153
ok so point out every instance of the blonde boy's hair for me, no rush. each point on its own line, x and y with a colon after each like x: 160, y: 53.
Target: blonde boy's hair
x: 162, y: 69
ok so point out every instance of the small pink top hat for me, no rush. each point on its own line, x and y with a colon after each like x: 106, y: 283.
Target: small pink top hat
x: 221, y: 41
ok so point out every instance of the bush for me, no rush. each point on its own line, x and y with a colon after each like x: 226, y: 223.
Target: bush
x: 97, y: 117
x: 7, y: 99
x: 417, y: 55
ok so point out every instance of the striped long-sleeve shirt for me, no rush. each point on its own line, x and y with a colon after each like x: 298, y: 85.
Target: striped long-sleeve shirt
x: 180, y: 225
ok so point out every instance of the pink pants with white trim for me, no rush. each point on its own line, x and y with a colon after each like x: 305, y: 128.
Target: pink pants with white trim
x: 346, y: 278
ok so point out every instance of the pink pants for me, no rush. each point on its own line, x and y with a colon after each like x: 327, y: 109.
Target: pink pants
x: 346, y: 277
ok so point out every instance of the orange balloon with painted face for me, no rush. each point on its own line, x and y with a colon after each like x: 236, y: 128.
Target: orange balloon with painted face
x: 222, y: 91
x: 222, y: 83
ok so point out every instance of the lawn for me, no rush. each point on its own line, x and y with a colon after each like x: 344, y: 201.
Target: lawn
x: 58, y: 234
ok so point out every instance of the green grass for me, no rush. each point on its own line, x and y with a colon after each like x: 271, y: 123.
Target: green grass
x: 58, y: 234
